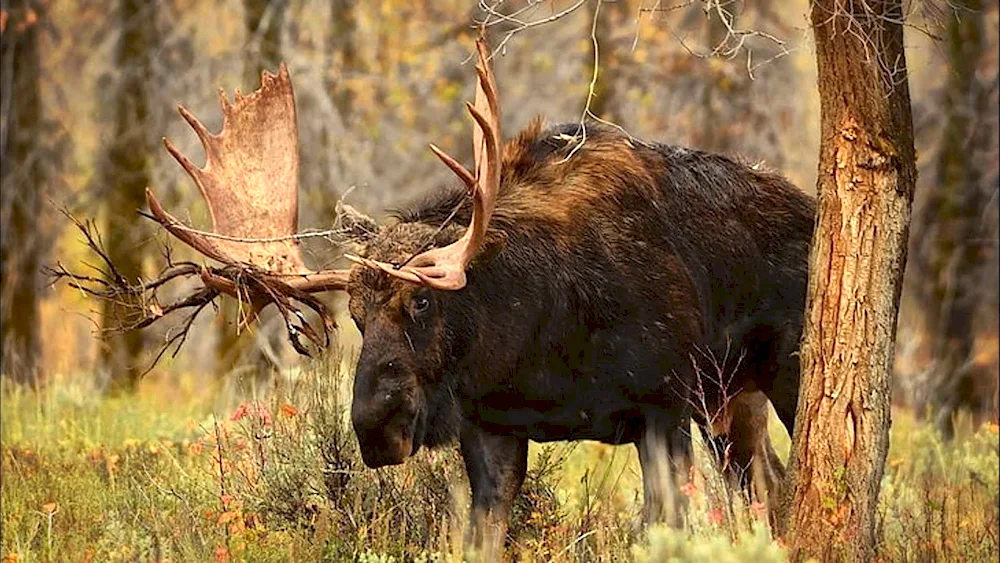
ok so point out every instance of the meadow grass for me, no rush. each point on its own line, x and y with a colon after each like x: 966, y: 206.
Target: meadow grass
x: 179, y: 472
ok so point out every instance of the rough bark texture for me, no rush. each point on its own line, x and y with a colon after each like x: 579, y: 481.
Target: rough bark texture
x: 865, y: 186
x: 20, y: 196
x: 126, y: 173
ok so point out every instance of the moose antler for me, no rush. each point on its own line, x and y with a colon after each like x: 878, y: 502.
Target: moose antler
x: 444, y: 268
x: 250, y: 183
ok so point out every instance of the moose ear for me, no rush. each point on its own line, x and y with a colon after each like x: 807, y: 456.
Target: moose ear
x: 355, y: 225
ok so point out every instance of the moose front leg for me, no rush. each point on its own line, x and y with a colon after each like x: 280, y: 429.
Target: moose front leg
x: 665, y: 458
x: 496, y: 466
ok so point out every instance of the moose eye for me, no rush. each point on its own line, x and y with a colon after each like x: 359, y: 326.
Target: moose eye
x: 420, y: 305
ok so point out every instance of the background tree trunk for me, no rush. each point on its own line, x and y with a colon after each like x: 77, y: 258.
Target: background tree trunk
x: 955, y: 238
x: 22, y: 180
x: 126, y: 174
x: 609, y: 63
x: 865, y: 184
x: 726, y: 93
x: 263, y: 20
x: 237, y: 346
x: 343, y: 64
x: 342, y: 45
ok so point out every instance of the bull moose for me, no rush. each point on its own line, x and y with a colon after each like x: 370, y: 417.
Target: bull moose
x: 563, y: 290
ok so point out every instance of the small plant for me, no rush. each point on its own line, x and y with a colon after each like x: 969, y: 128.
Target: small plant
x: 158, y: 478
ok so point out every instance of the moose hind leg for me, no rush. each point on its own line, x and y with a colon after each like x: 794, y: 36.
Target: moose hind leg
x: 496, y: 466
x: 744, y: 451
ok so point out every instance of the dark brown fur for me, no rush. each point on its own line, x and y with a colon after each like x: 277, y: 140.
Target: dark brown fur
x: 611, y: 278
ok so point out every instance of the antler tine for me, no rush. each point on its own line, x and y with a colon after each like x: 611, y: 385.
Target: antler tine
x: 444, y: 268
x: 487, y: 102
x: 461, y: 171
x: 199, y: 128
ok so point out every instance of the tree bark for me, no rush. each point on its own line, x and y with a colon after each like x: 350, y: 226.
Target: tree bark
x: 126, y: 172
x: 865, y: 185
x: 22, y: 180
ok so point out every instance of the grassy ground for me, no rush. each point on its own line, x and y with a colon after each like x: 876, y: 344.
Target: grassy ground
x: 176, y: 474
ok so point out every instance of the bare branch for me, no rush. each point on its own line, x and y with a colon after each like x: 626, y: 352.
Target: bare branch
x: 140, y: 299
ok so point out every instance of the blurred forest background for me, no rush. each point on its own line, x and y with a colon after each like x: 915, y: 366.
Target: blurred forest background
x: 89, y: 87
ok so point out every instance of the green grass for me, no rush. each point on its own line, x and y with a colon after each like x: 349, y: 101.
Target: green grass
x: 177, y: 474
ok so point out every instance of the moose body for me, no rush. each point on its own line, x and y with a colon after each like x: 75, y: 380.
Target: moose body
x: 583, y: 285
x: 611, y: 277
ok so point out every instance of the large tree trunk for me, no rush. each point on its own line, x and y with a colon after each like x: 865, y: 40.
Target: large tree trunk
x: 22, y: 180
x: 236, y: 348
x: 865, y: 186
x: 126, y: 175
x: 954, y: 235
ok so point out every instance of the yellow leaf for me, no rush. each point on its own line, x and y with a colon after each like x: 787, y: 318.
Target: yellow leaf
x: 227, y: 516
x: 50, y: 508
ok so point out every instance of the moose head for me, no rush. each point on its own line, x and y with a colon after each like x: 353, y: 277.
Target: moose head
x: 397, y: 287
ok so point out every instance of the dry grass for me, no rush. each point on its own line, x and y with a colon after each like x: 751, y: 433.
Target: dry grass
x: 162, y: 477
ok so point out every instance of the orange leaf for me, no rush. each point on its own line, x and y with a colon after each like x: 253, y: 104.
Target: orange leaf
x: 289, y: 410
x: 50, y: 508
x: 715, y: 516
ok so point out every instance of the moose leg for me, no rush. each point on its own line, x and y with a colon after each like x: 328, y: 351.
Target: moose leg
x: 496, y: 466
x: 782, y: 385
x: 665, y: 458
x: 744, y: 449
